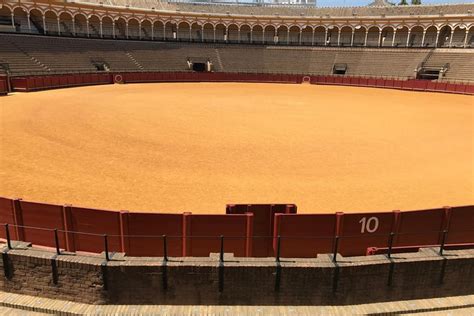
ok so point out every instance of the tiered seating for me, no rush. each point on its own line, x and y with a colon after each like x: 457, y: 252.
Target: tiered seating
x: 461, y: 63
x: 57, y: 54
x: 17, y: 61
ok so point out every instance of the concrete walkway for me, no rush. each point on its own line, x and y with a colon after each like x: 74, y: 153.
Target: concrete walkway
x: 15, y: 304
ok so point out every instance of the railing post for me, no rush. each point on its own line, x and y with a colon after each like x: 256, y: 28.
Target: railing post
x: 165, y: 249
x: 336, y: 247
x: 7, y: 234
x: 443, y: 241
x: 56, y: 241
x: 277, y: 258
x: 390, y: 244
x: 106, y: 248
x: 221, y: 256
x: 221, y: 266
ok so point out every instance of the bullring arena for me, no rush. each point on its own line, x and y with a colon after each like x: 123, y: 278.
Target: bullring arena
x: 203, y: 154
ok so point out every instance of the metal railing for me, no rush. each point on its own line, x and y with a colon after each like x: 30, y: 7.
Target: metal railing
x: 162, y: 242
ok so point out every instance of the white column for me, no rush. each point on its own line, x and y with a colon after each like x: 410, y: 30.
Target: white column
x: 263, y: 36
x: 59, y: 27
x: 380, y: 39
x: 339, y: 37
x: 202, y: 33
x: 29, y: 22
x: 140, y: 30
x: 393, y: 37
x: 366, y: 35
x: 288, y: 37
x: 301, y: 35
x: 13, y: 20
x: 74, y: 26
x: 214, y: 28
x: 113, y: 28
x: 437, y: 37
x: 408, y: 37
x: 352, y: 38
x: 87, y: 26
x: 126, y: 29
x: 465, y: 38
x: 152, y: 31
x: 451, y: 38
x: 44, y: 25
x: 423, y: 38
x: 190, y: 32
x: 312, y: 38
x: 164, y: 32
x: 101, y: 29
x: 326, y: 37
x: 238, y: 37
x: 251, y: 35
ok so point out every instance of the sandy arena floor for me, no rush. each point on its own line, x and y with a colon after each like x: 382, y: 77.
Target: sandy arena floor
x: 196, y: 147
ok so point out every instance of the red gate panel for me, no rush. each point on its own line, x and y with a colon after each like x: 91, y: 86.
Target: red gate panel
x: 7, y: 217
x: 461, y: 225
x: 93, y: 224
x: 417, y: 228
x: 304, y: 235
x: 43, y: 216
x: 204, y: 234
x: 360, y: 231
x: 263, y: 223
x: 151, y: 227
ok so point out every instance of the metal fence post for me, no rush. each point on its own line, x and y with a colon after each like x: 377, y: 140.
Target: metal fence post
x: 56, y: 241
x: 390, y: 244
x: 278, y: 249
x: 165, y: 249
x: 336, y: 247
x: 106, y: 248
x: 221, y: 257
x: 7, y: 234
x: 221, y: 266
x: 443, y: 241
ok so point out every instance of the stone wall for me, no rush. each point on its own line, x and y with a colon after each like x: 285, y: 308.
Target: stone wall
x: 238, y: 281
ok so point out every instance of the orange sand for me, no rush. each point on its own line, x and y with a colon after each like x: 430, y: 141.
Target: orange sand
x: 196, y: 147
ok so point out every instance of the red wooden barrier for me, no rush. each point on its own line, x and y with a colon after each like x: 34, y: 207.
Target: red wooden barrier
x: 236, y: 229
x: 469, y: 89
x: 3, y: 86
x: 47, y: 82
x: 38, y: 83
x: 346, y: 81
x: 380, y: 82
x: 149, y: 224
x: 360, y: 230
x: 95, y: 223
x: 44, y: 216
x: 460, y: 88
x: 364, y: 81
x: 7, y: 216
x: 372, y: 82
x: 450, y: 87
x: 431, y: 86
x: 304, y: 235
x: 420, y: 228
x: 398, y: 84
x: 388, y: 83
x: 355, y: 81
x: 461, y: 225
